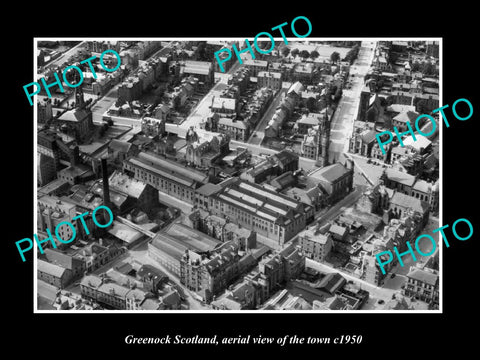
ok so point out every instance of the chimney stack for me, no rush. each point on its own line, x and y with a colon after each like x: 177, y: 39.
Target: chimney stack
x: 106, y: 187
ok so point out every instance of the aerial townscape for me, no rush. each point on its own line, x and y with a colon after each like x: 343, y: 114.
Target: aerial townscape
x: 259, y: 188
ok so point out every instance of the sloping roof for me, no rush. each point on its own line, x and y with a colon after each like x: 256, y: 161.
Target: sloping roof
x: 226, y: 103
x: 400, y: 177
x: 310, y: 119
x: 227, y: 304
x: 169, y: 169
x: 296, y: 88
x: 406, y: 116
x: 192, y: 238
x: 368, y: 136
x: 331, y: 283
x: 197, y: 67
x: 337, y: 229
x: 74, y: 115
x: 171, y: 299
x: 123, y: 183
x: 423, y: 276
x: 209, y: 189
x: 50, y: 269
x: 147, y: 269
x: 124, y: 232
x: 229, y: 122
x: 285, y: 157
x: 331, y: 173
x: 283, y: 180
x: 421, y: 142
x: 406, y: 201
x: 91, y: 281
x: 423, y: 186
x: 57, y: 257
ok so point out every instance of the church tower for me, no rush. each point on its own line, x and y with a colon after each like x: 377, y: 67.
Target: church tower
x: 79, y: 99
x: 323, y: 140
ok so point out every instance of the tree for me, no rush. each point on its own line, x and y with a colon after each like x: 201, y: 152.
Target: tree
x: 352, y: 54
x: 334, y: 57
x: 390, y: 100
x: 304, y: 54
x: 294, y: 52
x: 285, y: 51
x: 422, y: 106
x: 311, y: 104
x: 110, y: 122
x: 338, y: 94
x: 416, y: 66
x: 429, y: 68
x: 314, y: 54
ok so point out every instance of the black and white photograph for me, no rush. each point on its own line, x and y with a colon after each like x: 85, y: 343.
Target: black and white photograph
x: 215, y: 180
x: 239, y: 175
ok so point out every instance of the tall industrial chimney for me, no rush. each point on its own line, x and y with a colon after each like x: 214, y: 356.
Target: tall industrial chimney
x: 106, y: 187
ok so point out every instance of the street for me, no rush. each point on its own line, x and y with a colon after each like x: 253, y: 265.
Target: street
x: 339, y: 207
x: 346, y: 113
x: 259, y: 131
x: 376, y: 292
x: 200, y: 112
x: 62, y: 59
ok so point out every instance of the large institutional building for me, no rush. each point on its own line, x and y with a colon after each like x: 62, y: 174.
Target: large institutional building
x: 266, y: 212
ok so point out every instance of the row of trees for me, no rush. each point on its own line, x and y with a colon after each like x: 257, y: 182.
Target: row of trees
x: 352, y: 54
x: 426, y: 68
x: 304, y: 54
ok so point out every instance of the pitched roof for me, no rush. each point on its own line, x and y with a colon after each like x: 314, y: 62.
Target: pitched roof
x: 421, y: 142
x: 423, y: 186
x: 406, y: 116
x: 119, y: 145
x: 337, y: 229
x: 74, y: 115
x: 400, y: 177
x: 296, y: 88
x: 407, y: 201
x: 239, y: 124
x: 368, y: 136
x: 331, y: 283
x: 169, y: 169
x: 50, y: 269
x: 331, y: 173
x: 423, y: 276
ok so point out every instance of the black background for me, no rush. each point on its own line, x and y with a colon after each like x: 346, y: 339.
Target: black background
x: 103, y: 334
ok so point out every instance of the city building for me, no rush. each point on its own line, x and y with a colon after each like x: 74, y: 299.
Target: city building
x: 310, y: 120
x: 423, y: 284
x: 315, y: 245
x: 165, y: 175
x: 209, y: 275
x: 269, y: 214
x: 112, y: 295
x: 362, y: 142
x: 272, y: 80
x: 282, y: 266
x: 255, y: 66
x: 203, y: 150
x: 235, y: 129
x: 44, y: 111
x: 169, y: 246
x: 77, y: 122
x: 53, y: 274
x: 335, y: 179
x: 202, y: 70
x: 154, y: 126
